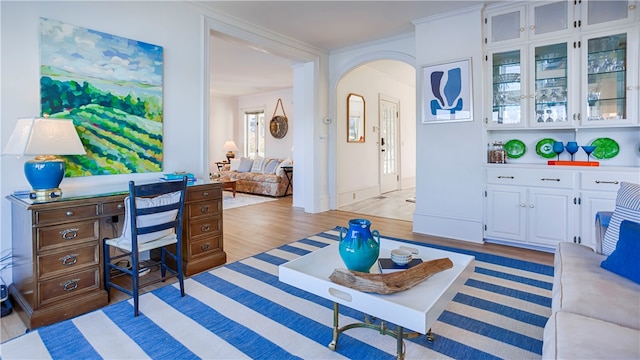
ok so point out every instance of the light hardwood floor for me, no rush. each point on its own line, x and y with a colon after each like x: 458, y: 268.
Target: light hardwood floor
x: 254, y: 229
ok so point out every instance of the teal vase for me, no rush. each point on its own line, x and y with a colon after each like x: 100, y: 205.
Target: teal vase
x: 359, y: 245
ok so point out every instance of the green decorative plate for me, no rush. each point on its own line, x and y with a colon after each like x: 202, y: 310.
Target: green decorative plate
x: 544, y: 148
x: 606, y: 148
x: 515, y: 148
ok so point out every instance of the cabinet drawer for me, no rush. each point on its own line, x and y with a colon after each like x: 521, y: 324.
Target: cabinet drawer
x: 606, y: 181
x: 52, y: 237
x: 558, y: 179
x: 206, y: 226
x: 204, y: 247
x: 66, y: 214
x: 113, y: 208
x: 203, y: 208
x: 69, y: 285
x: 205, y: 192
x: 68, y: 260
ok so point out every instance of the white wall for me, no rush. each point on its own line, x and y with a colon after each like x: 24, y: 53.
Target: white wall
x: 223, y: 116
x: 450, y: 156
x: 152, y: 22
x: 277, y: 148
x: 357, y: 164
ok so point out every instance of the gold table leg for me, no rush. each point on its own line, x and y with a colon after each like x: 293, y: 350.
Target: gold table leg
x: 382, y: 328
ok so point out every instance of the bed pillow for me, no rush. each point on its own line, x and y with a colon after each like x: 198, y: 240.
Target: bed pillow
x: 625, y: 259
x: 234, y: 164
x: 149, y: 220
x: 627, y: 208
x: 245, y: 165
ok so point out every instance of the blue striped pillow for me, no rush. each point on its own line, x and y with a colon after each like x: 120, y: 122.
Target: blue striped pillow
x: 627, y: 208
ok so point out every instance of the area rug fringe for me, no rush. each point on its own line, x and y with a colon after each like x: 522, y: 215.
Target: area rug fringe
x: 241, y: 310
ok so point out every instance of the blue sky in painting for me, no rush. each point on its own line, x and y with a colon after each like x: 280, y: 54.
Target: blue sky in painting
x: 99, y: 55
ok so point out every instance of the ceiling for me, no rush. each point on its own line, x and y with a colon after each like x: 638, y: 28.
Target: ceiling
x: 238, y: 69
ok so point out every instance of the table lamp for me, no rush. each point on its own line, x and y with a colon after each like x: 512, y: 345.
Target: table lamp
x: 230, y: 147
x: 45, y: 138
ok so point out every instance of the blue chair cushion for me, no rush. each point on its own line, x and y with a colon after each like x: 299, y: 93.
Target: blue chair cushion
x: 625, y: 259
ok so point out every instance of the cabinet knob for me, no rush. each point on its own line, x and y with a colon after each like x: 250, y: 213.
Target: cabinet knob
x: 204, y: 209
x: 205, y: 194
x: 629, y: 88
x: 531, y: 206
x: 69, y: 260
x: 69, y: 213
x: 632, y: 7
x: 205, y: 246
x: 69, y: 234
x: 523, y: 205
x: 532, y: 27
x: 522, y: 29
x: 120, y: 206
x: 205, y: 228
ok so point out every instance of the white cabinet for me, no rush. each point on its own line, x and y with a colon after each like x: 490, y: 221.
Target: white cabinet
x: 530, y: 208
x: 598, y: 191
x: 561, y: 72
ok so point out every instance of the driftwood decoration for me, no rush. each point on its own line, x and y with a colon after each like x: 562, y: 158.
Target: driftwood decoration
x: 392, y: 282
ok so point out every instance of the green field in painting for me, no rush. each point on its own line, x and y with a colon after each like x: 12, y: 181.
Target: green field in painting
x: 116, y: 142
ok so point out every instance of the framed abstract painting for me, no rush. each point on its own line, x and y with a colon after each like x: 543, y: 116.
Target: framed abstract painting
x: 446, y: 92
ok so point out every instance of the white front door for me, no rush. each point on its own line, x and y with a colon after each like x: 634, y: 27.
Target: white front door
x: 388, y: 145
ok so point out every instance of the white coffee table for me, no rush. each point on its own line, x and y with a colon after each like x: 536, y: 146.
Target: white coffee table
x: 416, y: 309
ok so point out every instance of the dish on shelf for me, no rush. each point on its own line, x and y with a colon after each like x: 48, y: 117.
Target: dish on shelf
x: 514, y: 148
x: 606, y: 148
x: 544, y: 148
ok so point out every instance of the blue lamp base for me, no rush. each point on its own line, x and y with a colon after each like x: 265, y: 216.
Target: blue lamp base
x: 44, y: 174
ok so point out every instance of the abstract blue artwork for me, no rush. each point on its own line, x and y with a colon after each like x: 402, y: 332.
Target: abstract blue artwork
x: 447, y: 92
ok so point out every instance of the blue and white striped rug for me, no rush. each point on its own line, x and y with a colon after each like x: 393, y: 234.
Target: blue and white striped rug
x: 241, y: 310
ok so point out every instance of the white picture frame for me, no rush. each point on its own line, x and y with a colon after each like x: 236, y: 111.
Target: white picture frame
x: 447, y: 92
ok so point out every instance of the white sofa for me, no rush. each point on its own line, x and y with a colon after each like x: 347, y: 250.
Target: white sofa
x: 595, y: 312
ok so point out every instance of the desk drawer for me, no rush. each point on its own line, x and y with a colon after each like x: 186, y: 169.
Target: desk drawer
x: 205, y: 192
x: 68, y: 260
x: 203, y: 208
x: 52, y: 237
x: 204, y: 247
x: 549, y: 178
x: 113, y: 208
x: 66, y: 214
x: 69, y: 285
x: 207, y: 226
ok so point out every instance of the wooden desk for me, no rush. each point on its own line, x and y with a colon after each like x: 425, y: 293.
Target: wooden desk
x: 57, y: 249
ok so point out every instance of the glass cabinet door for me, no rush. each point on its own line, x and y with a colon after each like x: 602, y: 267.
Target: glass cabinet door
x: 606, y: 92
x: 605, y: 12
x: 549, y: 18
x: 506, y: 89
x: 551, y: 85
x: 505, y: 26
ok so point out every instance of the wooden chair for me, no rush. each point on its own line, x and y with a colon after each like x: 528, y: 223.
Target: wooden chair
x: 153, y: 220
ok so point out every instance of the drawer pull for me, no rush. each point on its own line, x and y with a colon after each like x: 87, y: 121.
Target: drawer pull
x: 69, y: 234
x: 505, y: 177
x: 205, y: 194
x: 120, y: 206
x: 205, y: 228
x: 69, y: 259
x: 204, y: 209
x: 69, y: 213
x: 615, y: 182
x: 70, y: 285
x: 205, y: 246
x: 550, y: 179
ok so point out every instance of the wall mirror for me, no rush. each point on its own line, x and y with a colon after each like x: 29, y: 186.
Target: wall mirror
x: 355, y: 118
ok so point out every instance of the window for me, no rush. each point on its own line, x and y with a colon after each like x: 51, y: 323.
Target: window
x: 254, y: 133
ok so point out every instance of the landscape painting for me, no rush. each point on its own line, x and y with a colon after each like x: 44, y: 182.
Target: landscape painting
x: 111, y: 87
